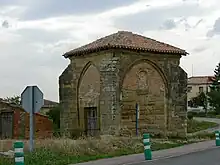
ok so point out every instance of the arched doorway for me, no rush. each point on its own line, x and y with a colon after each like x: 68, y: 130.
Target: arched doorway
x: 88, y: 99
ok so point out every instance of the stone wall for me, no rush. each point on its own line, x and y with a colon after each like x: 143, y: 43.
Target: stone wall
x: 72, y: 118
x: 161, y: 97
x: 144, y: 85
x: 175, y: 83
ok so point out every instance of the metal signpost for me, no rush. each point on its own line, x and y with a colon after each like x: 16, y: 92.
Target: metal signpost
x: 137, y: 117
x: 32, y: 101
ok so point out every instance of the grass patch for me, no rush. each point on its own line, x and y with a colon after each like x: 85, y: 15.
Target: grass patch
x: 204, y: 135
x: 210, y: 114
x: 195, y: 126
x: 67, y: 151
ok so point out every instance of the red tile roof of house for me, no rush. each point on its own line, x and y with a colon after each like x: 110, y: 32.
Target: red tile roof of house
x: 200, y: 80
x: 126, y: 40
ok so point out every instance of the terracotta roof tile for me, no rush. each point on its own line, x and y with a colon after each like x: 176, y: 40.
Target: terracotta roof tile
x: 126, y: 40
x: 200, y: 80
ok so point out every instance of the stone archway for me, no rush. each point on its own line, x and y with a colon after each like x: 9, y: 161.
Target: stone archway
x: 88, y: 99
x: 144, y: 84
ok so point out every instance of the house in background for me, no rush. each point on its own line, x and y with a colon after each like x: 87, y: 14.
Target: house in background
x: 48, y: 104
x: 198, y: 84
x: 14, y: 123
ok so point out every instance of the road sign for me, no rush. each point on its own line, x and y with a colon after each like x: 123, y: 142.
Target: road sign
x: 32, y: 101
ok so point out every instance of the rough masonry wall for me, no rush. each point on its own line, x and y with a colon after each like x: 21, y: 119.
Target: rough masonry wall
x: 176, y: 78
x: 89, y: 87
x: 144, y: 85
x: 178, y: 102
x: 67, y: 95
x: 108, y: 66
x: 70, y: 124
x: 89, y: 92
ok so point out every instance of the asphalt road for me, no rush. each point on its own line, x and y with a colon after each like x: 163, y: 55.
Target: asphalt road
x: 207, y: 157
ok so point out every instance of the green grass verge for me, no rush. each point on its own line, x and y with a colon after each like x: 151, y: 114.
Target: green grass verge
x: 195, y: 126
x: 44, y: 156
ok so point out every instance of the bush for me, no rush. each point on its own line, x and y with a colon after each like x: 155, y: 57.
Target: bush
x: 190, y: 116
x: 202, y: 114
x: 203, y: 135
x: 212, y: 113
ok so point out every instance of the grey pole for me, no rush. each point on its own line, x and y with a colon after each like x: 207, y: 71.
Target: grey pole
x: 32, y: 122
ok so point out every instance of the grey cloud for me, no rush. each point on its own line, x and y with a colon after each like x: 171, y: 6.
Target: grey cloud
x: 30, y: 67
x: 10, y: 2
x: 215, y: 30
x: 50, y: 8
x: 152, y: 19
x: 35, y: 59
x: 200, y: 49
x: 210, y: 33
x: 5, y: 24
x: 24, y: 3
x: 42, y: 36
x: 168, y: 24
x: 197, y: 24
x: 216, y: 27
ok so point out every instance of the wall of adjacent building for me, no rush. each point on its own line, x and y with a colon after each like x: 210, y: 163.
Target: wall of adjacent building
x: 195, y: 91
x: 20, y: 123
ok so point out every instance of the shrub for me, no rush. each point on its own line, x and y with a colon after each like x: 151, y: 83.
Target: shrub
x: 202, y: 114
x: 190, y: 116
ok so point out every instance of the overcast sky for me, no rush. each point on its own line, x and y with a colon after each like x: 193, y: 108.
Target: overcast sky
x: 34, y: 34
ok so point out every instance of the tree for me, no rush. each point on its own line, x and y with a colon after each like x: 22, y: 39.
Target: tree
x: 13, y: 100
x: 54, y: 114
x: 214, y: 94
x: 200, y: 100
x: 215, y: 81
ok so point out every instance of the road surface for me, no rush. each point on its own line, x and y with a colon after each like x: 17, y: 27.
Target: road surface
x: 207, y: 157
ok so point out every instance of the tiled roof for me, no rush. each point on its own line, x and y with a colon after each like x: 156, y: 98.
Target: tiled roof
x: 126, y: 40
x: 200, y: 80
x: 49, y: 102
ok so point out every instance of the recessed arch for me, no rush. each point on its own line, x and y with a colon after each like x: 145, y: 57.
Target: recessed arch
x: 154, y: 65
x: 144, y: 83
x: 93, y: 78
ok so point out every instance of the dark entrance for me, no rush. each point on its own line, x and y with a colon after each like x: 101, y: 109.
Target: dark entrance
x: 91, y: 121
x: 6, y: 125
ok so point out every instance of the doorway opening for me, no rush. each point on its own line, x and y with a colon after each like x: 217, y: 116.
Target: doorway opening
x: 91, y: 121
